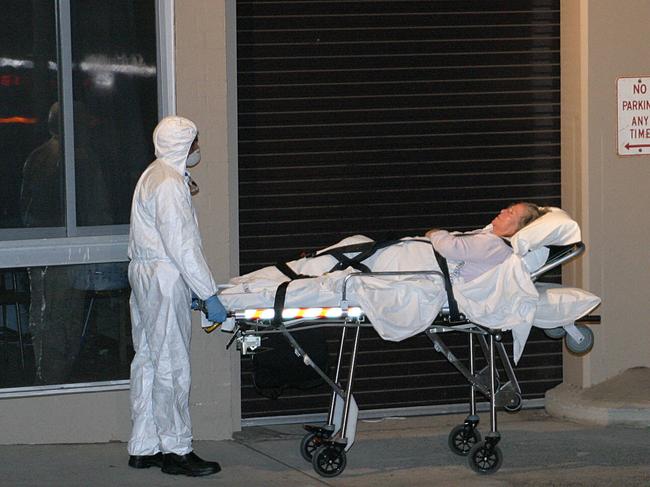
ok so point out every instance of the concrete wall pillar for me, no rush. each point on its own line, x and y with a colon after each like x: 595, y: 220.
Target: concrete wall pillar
x: 606, y: 193
x: 205, y: 51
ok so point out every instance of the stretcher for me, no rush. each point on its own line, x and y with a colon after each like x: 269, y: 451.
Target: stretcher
x: 325, y: 446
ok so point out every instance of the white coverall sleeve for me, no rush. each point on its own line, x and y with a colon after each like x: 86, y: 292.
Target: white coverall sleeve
x: 475, y: 247
x: 181, y: 238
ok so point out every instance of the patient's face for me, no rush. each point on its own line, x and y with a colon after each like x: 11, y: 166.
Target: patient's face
x: 507, y: 221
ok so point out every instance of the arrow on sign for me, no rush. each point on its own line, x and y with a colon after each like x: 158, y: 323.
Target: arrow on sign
x: 632, y: 146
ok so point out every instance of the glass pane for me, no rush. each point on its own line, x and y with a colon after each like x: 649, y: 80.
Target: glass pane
x: 115, y: 92
x: 64, y: 324
x: 31, y: 171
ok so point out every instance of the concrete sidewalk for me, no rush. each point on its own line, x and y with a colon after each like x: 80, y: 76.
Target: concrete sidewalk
x: 538, y: 450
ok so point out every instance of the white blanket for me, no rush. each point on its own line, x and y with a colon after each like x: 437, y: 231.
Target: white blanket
x: 399, y: 307
x: 503, y: 298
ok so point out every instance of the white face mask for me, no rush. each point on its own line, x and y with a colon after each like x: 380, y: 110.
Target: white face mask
x: 194, y: 158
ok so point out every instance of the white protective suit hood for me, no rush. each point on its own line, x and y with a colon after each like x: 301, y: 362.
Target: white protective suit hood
x: 172, y: 139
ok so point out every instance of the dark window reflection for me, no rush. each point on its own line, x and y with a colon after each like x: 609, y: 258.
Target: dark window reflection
x: 28, y: 89
x: 115, y: 110
x: 114, y: 59
x: 64, y: 324
x: 42, y: 191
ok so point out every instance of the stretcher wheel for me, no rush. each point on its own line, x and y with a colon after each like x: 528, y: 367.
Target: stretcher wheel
x: 329, y: 460
x: 515, y: 404
x: 462, y: 438
x: 485, y: 458
x: 555, y: 333
x: 580, y: 348
x: 309, y: 444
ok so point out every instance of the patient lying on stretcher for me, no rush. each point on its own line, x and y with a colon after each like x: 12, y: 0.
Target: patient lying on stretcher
x: 469, y: 255
x: 491, y: 280
x: 477, y: 252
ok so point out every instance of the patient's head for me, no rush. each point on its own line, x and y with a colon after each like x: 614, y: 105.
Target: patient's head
x: 515, y: 217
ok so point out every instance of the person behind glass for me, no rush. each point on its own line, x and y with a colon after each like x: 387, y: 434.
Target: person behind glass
x: 167, y: 268
x: 474, y: 253
x: 57, y: 293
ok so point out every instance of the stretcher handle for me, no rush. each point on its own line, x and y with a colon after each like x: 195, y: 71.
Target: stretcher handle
x: 203, y: 309
x: 383, y: 273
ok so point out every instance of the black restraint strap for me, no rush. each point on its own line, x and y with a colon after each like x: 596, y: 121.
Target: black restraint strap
x: 278, y: 303
x: 344, y: 262
x: 364, y: 249
x: 281, y: 291
x: 289, y: 272
x: 454, y: 314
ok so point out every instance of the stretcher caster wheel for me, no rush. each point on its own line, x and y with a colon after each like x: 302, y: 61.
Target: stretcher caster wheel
x: 485, y: 458
x: 329, y: 460
x: 515, y: 404
x: 309, y: 444
x: 555, y: 333
x: 587, y: 343
x: 462, y: 438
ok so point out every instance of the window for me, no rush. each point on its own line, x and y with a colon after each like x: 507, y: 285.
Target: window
x: 64, y: 324
x: 76, y: 131
x: 114, y: 84
x: 79, y: 99
x: 29, y: 74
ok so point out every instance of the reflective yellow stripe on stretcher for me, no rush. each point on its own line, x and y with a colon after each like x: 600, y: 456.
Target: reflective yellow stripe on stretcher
x: 305, y: 313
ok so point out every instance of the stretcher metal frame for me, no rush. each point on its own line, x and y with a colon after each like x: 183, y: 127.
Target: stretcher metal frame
x: 325, y: 445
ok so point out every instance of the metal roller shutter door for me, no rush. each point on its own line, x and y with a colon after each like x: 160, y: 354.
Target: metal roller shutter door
x: 386, y: 118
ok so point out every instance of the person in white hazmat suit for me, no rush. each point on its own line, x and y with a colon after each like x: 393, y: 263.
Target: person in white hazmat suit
x: 167, y: 269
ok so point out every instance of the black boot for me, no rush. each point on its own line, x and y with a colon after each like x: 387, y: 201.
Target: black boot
x: 146, y: 461
x: 189, y: 464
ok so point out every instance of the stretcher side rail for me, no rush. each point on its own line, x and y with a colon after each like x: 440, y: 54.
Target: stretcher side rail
x: 558, y: 256
x: 383, y: 273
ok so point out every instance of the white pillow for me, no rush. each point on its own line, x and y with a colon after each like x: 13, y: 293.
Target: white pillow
x: 560, y: 306
x: 554, y: 228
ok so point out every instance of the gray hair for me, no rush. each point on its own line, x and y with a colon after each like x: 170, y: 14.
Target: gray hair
x: 533, y: 212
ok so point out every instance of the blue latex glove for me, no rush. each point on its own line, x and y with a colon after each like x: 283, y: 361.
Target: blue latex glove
x: 195, y: 302
x: 216, y: 311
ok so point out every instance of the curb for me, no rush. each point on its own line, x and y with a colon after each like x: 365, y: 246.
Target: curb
x: 569, y: 402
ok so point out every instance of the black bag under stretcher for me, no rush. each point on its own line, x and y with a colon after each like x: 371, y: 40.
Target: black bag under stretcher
x: 278, y: 368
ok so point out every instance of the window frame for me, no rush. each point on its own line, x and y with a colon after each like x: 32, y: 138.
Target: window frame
x: 84, y: 245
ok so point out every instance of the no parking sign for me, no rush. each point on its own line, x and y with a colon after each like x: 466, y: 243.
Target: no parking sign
x: 633, y: 99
